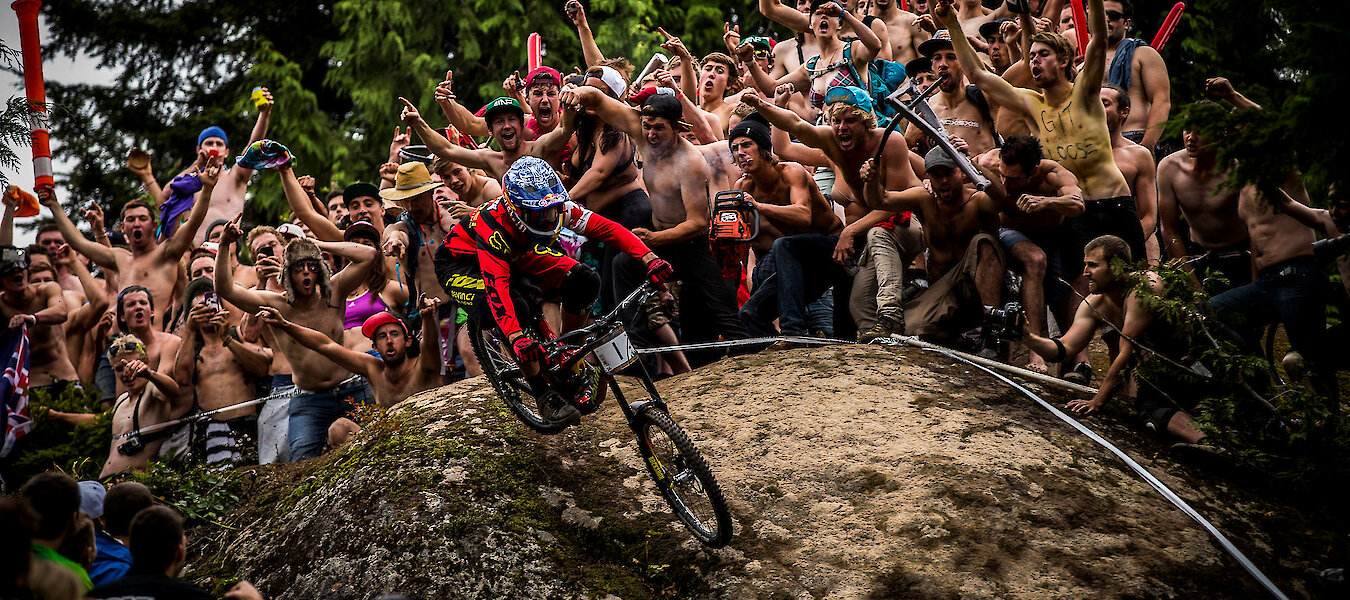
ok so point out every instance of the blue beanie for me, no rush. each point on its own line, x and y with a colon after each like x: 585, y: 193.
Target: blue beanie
x: 211, y: 132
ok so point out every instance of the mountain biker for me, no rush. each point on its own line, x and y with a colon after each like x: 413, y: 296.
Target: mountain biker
x: 517, y: 235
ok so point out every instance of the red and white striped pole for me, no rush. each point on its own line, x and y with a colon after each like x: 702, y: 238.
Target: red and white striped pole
x: 35, y: 86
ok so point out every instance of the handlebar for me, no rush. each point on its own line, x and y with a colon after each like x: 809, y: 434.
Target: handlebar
x: 638, y: 295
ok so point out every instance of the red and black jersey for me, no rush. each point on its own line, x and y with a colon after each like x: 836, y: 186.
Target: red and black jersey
x: 490, y: 237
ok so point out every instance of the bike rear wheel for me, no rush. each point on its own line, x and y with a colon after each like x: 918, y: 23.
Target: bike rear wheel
x: 499, y: 366
x: 683, y: 477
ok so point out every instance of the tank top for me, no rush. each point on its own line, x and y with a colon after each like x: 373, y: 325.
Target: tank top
x: 362, y: 308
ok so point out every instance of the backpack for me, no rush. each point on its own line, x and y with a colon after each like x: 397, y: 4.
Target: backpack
x: 883, y: 78
x: 976, y: 97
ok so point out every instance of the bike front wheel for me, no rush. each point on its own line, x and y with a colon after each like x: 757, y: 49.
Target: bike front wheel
x: 499, y: 366
x: 683, y: 477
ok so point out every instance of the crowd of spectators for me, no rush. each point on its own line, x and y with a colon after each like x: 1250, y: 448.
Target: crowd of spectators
x: 257, y: 343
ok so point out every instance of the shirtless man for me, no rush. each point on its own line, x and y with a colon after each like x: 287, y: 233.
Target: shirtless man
x: 797, y: 222
x: 904, y: 31
x: 972, y: 14
x: 145, y: 397
x: 50, y: 238
x: 472, y: 188
x: 850, y: 138
x: 676, y: 177
x: 135, y: 314
x: 505, y: 120
x: 1290, y: 286
x: 717, y: 75
x: 43, y: 309
x: 953, y: 108
x: 1141, y: 72
x: 227, y: 197
x: 314, y: 300
x: 1136, y: 164
x: 965, y: 259
x: 1191, y: 184
x: 1113, y: 308
x: 1071, y: 121
x: 1039, y: 195
x: 149, y: 264
x: 204, y: 365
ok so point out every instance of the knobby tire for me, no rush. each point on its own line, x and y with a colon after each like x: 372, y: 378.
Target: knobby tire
x: 496, y: 361
x: 683, y: 477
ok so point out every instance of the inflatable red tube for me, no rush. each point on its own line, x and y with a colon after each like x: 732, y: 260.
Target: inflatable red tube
x: 536, y: 51
x: 1169, y: 25
x: 1080, y: 30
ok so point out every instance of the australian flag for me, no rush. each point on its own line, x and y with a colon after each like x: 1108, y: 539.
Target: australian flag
x: 14, y: 386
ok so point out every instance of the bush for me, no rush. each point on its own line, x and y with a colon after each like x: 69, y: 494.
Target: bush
x: 78, y: 450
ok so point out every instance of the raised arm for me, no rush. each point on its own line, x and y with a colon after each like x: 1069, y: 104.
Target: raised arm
x: 259, y: 132
x: 788, y: 121
x: 1089, y: 81
x: 440, y: 146
x: 1220, y: 88
x: 1158, y: 90
x: 431, y: 349
x: 616, y: 113
x: 460, y: 117
x: 248, y: 301
x: 1000, y: 92
x: 548, y: 146
x: 688, y: 78
x: 301, y: 207
x: 94, y: 288
x: 356, y: 362
x: 787, y: 17
x: 362, y: 259
x: 589, y: 49
x: 871, y: 44
x: 7, y: 223
x: 181, y: 240
x: 104, y: 256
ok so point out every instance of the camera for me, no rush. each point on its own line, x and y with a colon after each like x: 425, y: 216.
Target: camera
x: 267, y: 251
x: 133, y: 446
x: 1006, y: 322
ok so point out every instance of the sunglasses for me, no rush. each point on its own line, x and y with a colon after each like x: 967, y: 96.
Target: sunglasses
x: 761, y: 53
x: 1115, y: 15
x: 311, y: 264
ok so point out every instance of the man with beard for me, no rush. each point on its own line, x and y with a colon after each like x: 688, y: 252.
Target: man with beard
x: 1039, y: 195
x: 205, y: 365
x: 315, y: 300
x: 42, y: 307
x: 964, y: 256
x: 955, y: 105
x: 902, y: 27
x: 145, y: 397
x: 1136, y: 164
x: 676, y: 177
x: 797, y: 222
x: 1140, y: 71
x: 1124, y: 316
x: 1191, y: 183
x: 505, y: 119
x: 149, y: 263
x: 1070, y: 118
x: 472, y: 188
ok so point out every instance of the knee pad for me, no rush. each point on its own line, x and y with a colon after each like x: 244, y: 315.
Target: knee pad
x: 579, y: 289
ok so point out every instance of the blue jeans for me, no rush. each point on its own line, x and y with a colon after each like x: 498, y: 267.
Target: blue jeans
x: 1292, y: 293
x: 791, y: 259
x: 313, y: 412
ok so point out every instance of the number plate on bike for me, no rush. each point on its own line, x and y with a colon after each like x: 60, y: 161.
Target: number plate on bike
x: 616, y: 352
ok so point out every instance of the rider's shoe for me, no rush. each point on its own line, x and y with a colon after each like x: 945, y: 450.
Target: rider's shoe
x: 555, y: 410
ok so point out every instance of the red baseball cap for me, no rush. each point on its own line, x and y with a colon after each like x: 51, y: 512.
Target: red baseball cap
x: 378, y: 320
x: 543, y: 75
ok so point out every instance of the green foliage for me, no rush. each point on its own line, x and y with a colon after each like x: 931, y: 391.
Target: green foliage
x: 201, y: 494
x: 77, y: 450
x: 1301, y: 444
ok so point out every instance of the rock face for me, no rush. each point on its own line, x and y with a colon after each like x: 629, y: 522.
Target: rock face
x: 852, y: 472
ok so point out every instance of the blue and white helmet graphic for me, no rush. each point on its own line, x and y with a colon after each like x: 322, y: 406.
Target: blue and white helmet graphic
x: 536, y: 195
